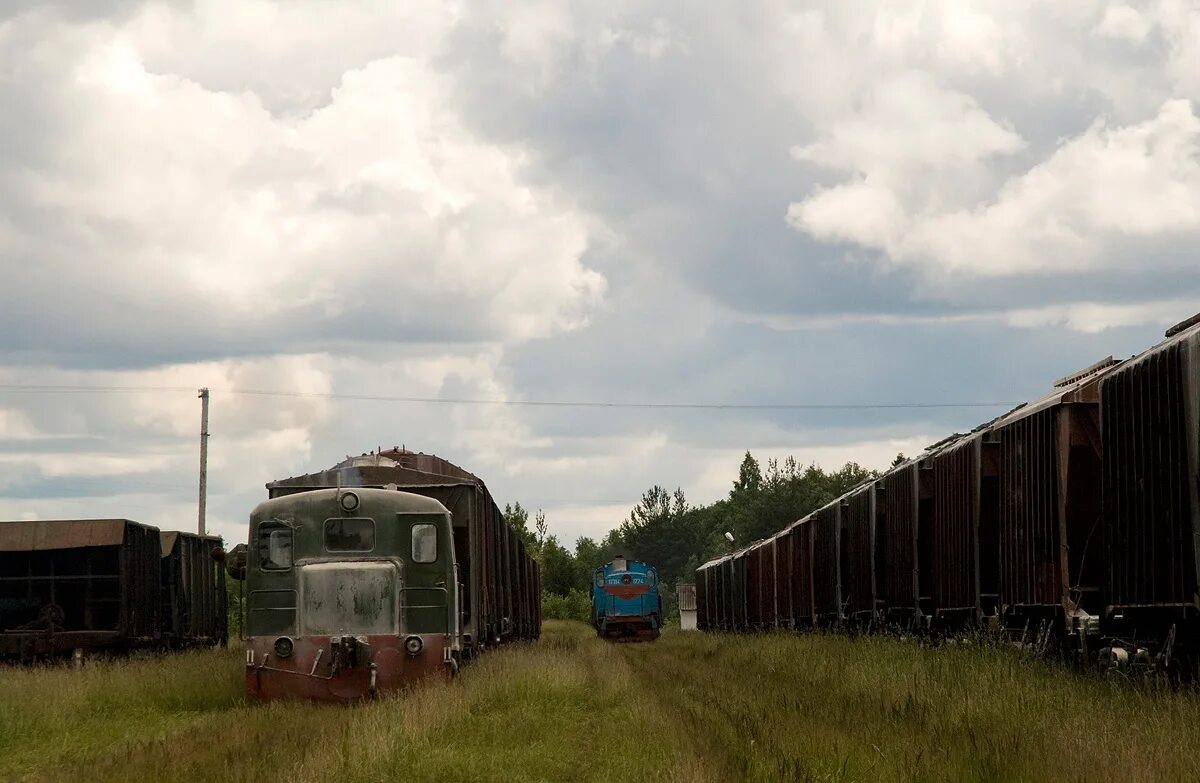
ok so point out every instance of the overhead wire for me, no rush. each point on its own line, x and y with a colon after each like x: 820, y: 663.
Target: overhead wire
x: 81, y: 389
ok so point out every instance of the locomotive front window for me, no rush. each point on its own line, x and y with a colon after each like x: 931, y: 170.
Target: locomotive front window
x: 354, y: 534
x: 424, y: 543
x: 274, y: 548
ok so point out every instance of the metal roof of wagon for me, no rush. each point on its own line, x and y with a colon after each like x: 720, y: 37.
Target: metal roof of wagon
x: 1188, y: 329
x: 167, y: 539
x: 1081, y: 386
x: 395, y: 466
x: 46, y: 534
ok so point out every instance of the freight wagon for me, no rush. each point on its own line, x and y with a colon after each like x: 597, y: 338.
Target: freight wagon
x: 1071, y: 521
x: 192, y: 589
x: 1150, y: 553
x: 105, y: 585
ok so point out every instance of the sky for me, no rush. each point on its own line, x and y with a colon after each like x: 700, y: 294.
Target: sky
x: 747, y: 204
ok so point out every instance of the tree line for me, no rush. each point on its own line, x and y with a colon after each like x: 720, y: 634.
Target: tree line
x: 663, y: 529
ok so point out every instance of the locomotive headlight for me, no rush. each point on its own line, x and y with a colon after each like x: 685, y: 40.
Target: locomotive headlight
x: 348, y: 501
x: 413, y: 645
x: 283, y: 647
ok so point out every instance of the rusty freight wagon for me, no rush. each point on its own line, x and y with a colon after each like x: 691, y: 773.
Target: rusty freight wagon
x: 858, y: 557
x: 80, y: 584
x: 962, y: 505
x: 781, y: 545
x: 480, y: 588
x: 800, y: 573
x: 760, y: 581
x: 1150, y: 415
x: 903, y: 521
x: 192, y: 590
x: 712, y: 600
x: 1048, y: 539
x: 827, y: 560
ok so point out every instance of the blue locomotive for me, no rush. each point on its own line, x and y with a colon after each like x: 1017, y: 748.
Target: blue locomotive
x: 626, y: 605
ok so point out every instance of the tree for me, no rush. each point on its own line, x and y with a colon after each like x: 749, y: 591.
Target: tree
x: 749, y: 478
x: 588, y: 556
x: 539, y: 524
x: 659, y: 531
x: 558, y: 568
x: 899, y: 460
x: 518, y: 517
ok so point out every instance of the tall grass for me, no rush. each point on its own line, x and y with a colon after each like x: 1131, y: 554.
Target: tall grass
x: 826, y: 707
x: 572, y: 707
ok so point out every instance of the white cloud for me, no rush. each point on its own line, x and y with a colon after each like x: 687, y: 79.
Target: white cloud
x: 380, y: 197
x: 1108, y: 183
x: 1123, y: 22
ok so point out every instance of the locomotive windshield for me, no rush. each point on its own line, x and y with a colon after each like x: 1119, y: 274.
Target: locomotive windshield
x: 274, y: 548
x: 424, y: 543
x: 356, y: 534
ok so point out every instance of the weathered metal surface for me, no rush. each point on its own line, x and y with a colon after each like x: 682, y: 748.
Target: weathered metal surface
x: 43, y: 535
x: 952, y: 551
x: 1049, y: 470
x: 760, y: 577
x: 1029, y: 535
x: 300, y: 590
x: 739, y: 592
x: 898, y: 501
x: 801, y: 573
x: 858, y: 524
x: 192, y: 589
x: 783, y: 588
x: 1151, y: 426
x: 501, y: 595
x: 312, y: 672
x: 827, y: 568
x: 95, y: 580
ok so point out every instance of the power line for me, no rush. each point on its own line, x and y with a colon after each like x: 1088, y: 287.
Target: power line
x: 74, y: 389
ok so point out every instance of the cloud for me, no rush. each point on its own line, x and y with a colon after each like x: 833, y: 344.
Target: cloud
x: 1058, y: 216
x: 1123, y: 22
x: 379, y: 200
x: 860, y: 203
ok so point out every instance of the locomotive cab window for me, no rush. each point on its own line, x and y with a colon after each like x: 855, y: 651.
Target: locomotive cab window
x: 353, y: 534
x: 274, y: 547
x: 424, y: 543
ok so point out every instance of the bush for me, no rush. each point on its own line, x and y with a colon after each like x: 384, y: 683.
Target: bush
x: 575, y: 605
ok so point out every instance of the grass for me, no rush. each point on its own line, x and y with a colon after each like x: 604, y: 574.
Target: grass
x: 571, y: 707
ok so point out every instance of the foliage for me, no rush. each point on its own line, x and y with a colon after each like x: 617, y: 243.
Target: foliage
x: 664, y: 530
x: 235, y: 598
x: 575, y: 605
x: 518, y: 517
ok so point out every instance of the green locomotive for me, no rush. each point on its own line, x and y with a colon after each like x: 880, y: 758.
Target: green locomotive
x: 376, y: 572
x: 352, y: 592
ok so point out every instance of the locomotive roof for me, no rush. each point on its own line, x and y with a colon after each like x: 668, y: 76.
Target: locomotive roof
x: 412, y: 501
x: 43, y: 534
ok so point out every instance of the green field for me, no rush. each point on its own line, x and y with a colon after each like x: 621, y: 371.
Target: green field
x: 571, y: 707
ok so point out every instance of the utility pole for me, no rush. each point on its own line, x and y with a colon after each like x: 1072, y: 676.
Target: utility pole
x: 203, y: 454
